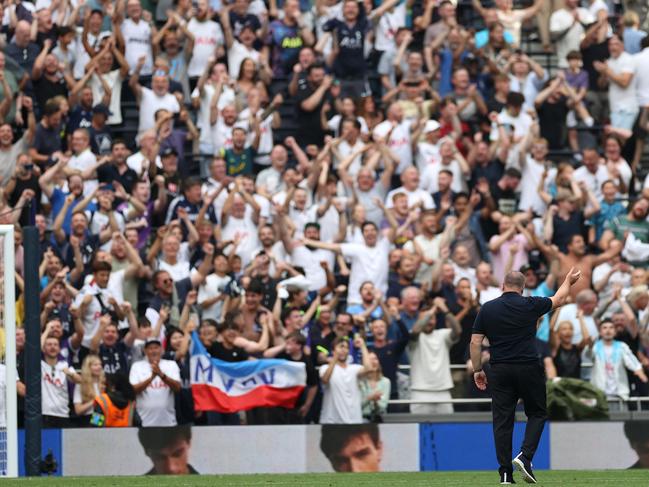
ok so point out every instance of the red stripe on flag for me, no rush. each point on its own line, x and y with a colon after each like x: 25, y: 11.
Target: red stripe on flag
x: 208, y: 398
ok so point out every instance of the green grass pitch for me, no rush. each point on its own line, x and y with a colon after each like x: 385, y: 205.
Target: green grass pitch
x: 612, y: 478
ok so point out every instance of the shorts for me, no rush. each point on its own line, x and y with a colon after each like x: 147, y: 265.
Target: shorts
x: 426, y: 409
x: 623, y: 119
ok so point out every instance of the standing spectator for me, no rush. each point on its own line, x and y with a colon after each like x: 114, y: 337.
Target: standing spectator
x: 136, y: 34
x: 286, y: 37
x: 155, y: 382
x: 375, y: 391
x: 618, y: 72
x: 430, y: 373
x: 21, y: 49
x: 55, y: 374
x: 318, y: 90
x: 341, y: 403
x: 92, y: 385
x: 611, y: 359
x: 566, y: 355
x: 369, y: 259
x: 208, y: 39
x: 154, y: 99
x: 567, y: 28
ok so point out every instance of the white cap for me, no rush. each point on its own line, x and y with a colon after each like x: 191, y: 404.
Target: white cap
x: 431, y: 126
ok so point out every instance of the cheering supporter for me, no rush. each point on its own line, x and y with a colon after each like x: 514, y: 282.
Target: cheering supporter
x: 291, y: 176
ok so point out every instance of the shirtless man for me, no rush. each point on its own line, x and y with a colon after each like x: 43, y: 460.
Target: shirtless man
x: 579, y: 259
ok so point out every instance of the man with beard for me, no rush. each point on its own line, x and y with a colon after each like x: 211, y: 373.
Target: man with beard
x: 577, y: 258
x: 406, y: 272
x: 116, y: 170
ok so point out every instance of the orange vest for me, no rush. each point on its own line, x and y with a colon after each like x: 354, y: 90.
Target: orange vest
x: 115, y: 417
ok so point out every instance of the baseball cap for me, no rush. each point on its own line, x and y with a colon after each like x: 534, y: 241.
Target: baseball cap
x: 168, y: 151
x: 101, y: 108
x: 431, y: 126
x: 152, y: 340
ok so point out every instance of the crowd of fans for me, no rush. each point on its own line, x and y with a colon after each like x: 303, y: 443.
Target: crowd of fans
x: 341, y: 183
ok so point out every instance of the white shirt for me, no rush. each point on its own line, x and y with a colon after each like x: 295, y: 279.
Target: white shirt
x: 247, y: 230
x: 368, y: 264
x: 334, y: 124
x: 641, y: 78
x: 236, y: 54
x: 341, y: 401
x: 151, y: 103
x: 140, y: 164
x: 90, y: 319
x: 207, y: 36
x: 622, y: 98
x: 414, y: 197
x: 212, y: 287
x: 532, y: 172
x: 54, y: 390
x: 430, y: 363
x: 265, y: 138
x: 155, y: 404
x: 114, y: 81
x: 178, y: 271
x: 387, y: 28
x: 427, y: 154
x: 400, y: 141
x: 81, y: 162
x: 430, y: 248
x: 569, y: 313
x: 137, y: 38
x: 560, y: 21
x: 430, y: 175
x: 517, y: 126
x: 203, y: 118
x: 310, y: 260
x: 593, y: 181
x: 489, y: 294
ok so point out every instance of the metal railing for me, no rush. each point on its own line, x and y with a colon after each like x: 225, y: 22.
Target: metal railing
x: 639, y: 400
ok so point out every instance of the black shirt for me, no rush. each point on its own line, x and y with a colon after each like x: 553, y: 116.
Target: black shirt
x: 309, y: 127
x: 350, y: 61
x: 47, y: 140
x: 552, y: 121
x: 568, y: 362
x: 509, y: 322
x: 44, y: 89
x: 390, y: 354
x: 109, y: 173
x: 114, y: 359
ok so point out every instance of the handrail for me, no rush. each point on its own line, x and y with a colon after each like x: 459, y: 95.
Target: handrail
x: 487, y: 400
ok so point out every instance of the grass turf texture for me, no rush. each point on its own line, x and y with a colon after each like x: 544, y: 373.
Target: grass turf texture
x: 622, y: 478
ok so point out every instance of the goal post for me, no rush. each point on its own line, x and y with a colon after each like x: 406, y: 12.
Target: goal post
x: 9, y: 428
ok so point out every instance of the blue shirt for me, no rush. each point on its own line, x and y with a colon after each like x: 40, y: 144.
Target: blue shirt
x: 632, y: 39
x: 607, y: 212
x: 543, y: 332
x: 58, y: 199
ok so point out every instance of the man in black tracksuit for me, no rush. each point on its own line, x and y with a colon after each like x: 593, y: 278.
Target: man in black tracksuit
x: 509, y: 323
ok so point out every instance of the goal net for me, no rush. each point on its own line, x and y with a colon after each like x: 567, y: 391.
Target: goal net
x: 8, y: 371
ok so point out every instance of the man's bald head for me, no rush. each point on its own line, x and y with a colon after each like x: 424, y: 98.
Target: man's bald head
x: 514, y: 281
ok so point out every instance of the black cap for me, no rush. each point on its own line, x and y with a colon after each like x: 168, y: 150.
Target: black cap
x: 101, y: 108
x: 168, y: 151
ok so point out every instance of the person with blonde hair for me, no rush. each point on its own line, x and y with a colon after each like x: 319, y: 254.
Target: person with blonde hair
x: 631, y: 34
x: 93, y: 383
x: 375, y: 390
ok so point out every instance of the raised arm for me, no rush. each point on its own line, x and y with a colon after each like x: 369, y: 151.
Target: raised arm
x: 560, y: 297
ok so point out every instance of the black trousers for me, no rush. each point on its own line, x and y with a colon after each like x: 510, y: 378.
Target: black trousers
x: 509, y: 383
